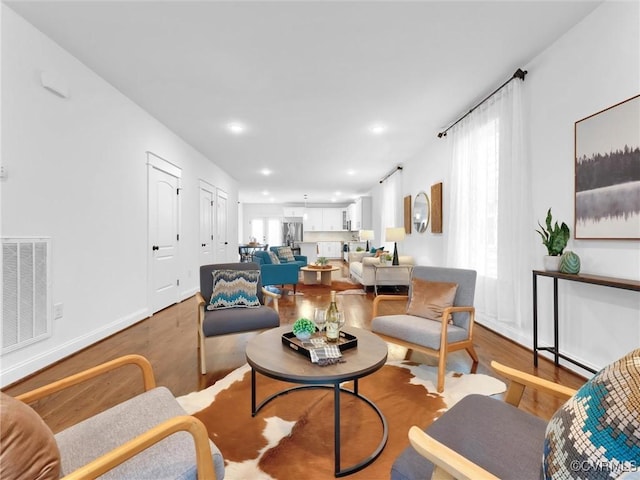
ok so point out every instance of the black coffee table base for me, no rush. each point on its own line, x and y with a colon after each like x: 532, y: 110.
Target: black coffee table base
x: 338, y: 471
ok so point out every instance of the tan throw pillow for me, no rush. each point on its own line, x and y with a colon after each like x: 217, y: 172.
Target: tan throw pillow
x: 429, y: 299
x: 27, y: 446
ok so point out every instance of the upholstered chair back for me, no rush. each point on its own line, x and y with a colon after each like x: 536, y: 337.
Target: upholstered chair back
x: 466, y: 280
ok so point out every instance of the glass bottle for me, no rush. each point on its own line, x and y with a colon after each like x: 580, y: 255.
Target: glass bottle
x: 332, y: 325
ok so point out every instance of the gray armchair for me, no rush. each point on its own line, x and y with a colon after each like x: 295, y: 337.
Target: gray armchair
x: 225, y: 321
x: 439, y: 318
x: 594, y: 434
x: 147, y: 436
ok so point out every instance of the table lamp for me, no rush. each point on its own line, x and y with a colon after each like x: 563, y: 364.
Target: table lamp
x: 366, y: 235
x: 394, y: 234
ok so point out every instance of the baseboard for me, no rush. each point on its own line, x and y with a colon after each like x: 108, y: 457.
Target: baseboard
x: 188, y: 293
x: 45, y: 359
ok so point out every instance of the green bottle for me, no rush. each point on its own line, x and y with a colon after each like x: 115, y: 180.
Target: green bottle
x: 332, y: 327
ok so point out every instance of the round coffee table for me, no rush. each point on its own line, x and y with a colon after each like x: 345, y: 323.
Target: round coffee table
x: 267, y: 355
x: 310, y: 275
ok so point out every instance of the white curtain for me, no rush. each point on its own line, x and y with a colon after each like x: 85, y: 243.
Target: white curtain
x: 391, y: 203
x: 489, y: 224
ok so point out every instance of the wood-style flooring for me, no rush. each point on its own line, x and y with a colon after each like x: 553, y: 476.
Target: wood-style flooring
x: 169, y: 340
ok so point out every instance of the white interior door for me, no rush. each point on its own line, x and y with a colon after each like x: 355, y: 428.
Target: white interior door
x: 206, y: 225
x: 222, y: 242
x: 163, y: 237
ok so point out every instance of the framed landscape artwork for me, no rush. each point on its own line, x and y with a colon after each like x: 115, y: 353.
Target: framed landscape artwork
x: 607, y: 173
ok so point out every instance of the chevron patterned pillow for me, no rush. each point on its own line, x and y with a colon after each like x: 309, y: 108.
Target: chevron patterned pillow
x: 234, y: 288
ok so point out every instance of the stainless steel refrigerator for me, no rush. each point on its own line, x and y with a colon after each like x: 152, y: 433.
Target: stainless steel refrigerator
x: 291, y: 233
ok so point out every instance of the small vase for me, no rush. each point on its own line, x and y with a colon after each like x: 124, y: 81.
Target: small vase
x: 552, y: 263
x: 303, y: 336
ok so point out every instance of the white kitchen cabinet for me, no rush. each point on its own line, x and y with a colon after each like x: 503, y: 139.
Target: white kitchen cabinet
x: 330, y: 249
x: 313, y: 222
x: 332, y: 219
x: 293, y: 212
x: 324, y: 220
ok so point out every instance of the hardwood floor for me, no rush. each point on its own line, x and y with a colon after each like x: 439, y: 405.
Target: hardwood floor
x: 169, y: 340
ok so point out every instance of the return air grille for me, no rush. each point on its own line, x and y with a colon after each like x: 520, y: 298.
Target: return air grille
x: 26, y: 309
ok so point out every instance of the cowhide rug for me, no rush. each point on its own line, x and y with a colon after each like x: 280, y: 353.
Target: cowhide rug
x: 292, y: 436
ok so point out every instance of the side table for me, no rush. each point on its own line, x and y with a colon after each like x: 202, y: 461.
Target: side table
x: 310, y: 275
x: 383, y: 266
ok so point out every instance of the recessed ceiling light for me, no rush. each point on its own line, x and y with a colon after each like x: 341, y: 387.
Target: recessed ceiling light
x: 351, y: 172
x: 236, y: 127
x: 378, y: 128
x: 265, y: 171
x: 338, y: 194
x: 265, y: 192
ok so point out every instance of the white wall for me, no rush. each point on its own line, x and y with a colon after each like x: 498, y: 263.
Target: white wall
x: 593, y: 66
x: 76, y: 172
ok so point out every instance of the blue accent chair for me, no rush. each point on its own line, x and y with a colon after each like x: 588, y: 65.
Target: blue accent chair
x: 277, y: 274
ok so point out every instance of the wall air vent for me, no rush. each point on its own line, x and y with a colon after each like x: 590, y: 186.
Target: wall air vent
x: 26, y: 292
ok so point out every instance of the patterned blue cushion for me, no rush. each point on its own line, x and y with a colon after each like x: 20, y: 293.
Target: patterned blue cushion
x: 234, y: 288
x: 596, y: 433
x: 285, y: 255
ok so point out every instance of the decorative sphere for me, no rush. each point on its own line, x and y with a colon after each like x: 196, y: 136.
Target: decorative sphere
x: 570, y: 262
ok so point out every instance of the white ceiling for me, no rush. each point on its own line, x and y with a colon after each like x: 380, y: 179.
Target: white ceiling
x: 308, y: 78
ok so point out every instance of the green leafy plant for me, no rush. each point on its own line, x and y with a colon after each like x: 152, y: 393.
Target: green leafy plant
x: 323, y: 260
x: 359, y: 249
x: 303, y: 325
x: 388, y: 257
x: 554, y: 238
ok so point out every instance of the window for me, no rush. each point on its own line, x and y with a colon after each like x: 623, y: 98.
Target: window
x: 267, y: 230
x: 488, y: 226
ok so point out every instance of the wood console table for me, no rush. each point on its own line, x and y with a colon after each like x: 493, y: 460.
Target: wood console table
x: 581, y: 278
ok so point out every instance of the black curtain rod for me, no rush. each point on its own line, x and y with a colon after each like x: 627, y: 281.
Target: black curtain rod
x: 519, y: 73
x: 399, y: 167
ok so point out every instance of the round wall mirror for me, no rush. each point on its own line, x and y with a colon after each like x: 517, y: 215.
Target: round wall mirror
x: 421, y: 212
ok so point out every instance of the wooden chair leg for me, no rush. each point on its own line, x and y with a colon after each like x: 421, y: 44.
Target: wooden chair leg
x: 474, y: 356
x: 442, y: 366
x: 407, y: 356
x: 203, y: 364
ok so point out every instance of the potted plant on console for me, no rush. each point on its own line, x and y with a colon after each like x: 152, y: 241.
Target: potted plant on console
x: 555, y: 238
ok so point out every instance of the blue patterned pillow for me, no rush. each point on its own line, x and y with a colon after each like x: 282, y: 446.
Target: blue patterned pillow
x: 596, y: 433
x: 234, y: 288
x: 274, y: 258
x: 285, y: 255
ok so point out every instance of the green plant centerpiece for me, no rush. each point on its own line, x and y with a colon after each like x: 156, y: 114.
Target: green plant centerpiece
x: 303, y: 328
x: 555, y: 239
x: 322, y: 261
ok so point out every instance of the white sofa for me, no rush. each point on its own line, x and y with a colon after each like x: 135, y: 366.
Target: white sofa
x: 361, y: 270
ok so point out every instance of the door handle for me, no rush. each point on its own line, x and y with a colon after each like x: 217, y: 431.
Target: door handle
x: 204, y: 244
x: 155, y: 247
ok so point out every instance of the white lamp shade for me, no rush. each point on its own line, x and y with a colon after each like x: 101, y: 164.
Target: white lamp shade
x: 394, y: 234
x: 366, y: 234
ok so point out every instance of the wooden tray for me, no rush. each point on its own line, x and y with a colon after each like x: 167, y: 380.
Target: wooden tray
x: 345, y: 342
x: 319, y: 267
